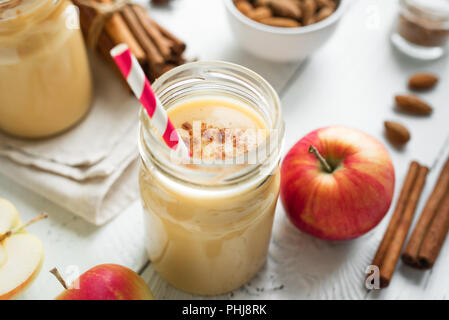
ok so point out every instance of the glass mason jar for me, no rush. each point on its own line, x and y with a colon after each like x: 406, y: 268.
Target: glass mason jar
x: 208, y: 226
x: 45, y: 81
x: 423, y: 28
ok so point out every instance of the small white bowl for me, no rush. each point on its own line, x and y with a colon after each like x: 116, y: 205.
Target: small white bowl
x: 281, y: 44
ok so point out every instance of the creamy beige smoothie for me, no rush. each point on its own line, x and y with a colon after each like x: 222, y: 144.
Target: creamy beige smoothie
x: 45, y: 82
x: 210, y: 240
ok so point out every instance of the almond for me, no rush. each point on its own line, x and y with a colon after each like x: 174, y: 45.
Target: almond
x: 308, y: 8
x: 326, y: 3
x: 323, y: 13
x: 422, y: 81
x: 396, y: 133
x: 244, y: 6
x: 285, y: 8
x: 261, y: 3
x: 412, y: 104
x: 280, y: 22
x: 260, y: 13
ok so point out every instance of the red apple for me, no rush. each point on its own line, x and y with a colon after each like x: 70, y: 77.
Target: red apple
x: 108, y: 282
x: 337, y: 183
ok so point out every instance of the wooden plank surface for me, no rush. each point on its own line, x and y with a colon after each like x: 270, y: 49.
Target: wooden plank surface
x: 351, y: 81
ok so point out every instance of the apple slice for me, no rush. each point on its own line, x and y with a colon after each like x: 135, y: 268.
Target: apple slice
x: 2, y: 256
x: 9, y: 217
x: 22, y: 259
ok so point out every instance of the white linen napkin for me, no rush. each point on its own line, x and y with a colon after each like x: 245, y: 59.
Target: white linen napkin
x: 91, y: 169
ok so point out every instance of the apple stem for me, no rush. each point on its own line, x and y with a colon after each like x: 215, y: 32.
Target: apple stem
x: 9, y: 233
x: 58, y: 276
x: 323, y: 161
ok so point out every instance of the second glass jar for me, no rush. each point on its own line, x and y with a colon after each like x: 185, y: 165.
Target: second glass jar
x: 45, y: 81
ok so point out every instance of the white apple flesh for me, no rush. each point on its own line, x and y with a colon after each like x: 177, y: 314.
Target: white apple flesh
x: 9, y: 217
x: 24, y: 255
x: 21, y: 254
x: 2, y: 256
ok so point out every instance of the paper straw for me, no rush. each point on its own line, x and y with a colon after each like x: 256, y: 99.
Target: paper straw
x: 134, y: 75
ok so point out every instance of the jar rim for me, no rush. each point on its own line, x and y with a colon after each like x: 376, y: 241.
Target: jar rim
x: 425, y: 10
x: 205, y: 173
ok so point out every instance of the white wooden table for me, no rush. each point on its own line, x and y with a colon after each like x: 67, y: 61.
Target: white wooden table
x: 351, y: 81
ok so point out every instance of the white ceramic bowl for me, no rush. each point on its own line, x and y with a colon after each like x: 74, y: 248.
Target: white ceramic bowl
x: 281, y: 44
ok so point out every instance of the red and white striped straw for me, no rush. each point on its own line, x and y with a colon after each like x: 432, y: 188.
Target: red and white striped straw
x: 134, y: 75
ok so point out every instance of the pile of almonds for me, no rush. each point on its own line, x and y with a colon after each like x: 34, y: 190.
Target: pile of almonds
x: 287, y: 13
x: 409, y: 103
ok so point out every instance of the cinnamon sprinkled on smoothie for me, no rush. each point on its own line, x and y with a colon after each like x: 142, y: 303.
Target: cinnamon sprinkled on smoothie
x: 216, y: 143
x: 187, y: 126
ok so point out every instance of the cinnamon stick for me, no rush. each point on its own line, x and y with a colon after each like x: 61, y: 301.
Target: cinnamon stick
x: 179, y: 46
x: 168, y: 67
x: 410, y: 255
x: 389, y: 250
x: 393, y: 252
x: 163, y: 44
x: 435, y: 236
x: 397, y: 214
x: 153, y: 75
x: 161, y: 50
x: 104, y: 44
x: 119, y: 32
x: 155, y: 59
x: 87, y: 16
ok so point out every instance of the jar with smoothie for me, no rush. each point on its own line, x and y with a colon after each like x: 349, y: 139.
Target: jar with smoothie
x: 208, y: 221
x: 45, y: 81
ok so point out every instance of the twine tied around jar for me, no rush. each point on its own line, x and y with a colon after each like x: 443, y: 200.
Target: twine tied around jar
x: 105, y: 11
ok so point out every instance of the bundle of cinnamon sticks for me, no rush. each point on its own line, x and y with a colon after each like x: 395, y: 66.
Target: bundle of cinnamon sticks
x: 156, y: 49
x: 432, y: 227
x: 430, y: 232
x: 389, y: 250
